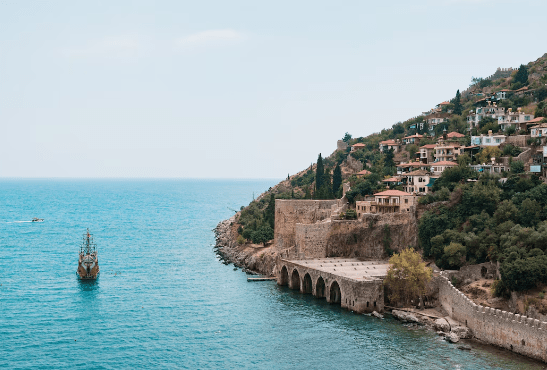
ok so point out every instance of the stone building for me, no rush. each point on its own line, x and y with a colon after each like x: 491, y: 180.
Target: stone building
x: 389, y: 201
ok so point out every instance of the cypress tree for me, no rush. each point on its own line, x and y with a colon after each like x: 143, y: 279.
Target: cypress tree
x: 457, y: 103
x: 522, y: 75
x: 336, y: 179
x: 319, y: 173
x: 269, y: 213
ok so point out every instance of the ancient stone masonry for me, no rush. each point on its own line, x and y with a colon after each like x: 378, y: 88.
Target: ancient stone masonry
x: 290, y: 212
x: 354, y: 284
x: 514, y: 332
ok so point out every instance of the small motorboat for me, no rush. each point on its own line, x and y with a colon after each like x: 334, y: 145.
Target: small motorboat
x: 35, y: 219
x: 88, y: 263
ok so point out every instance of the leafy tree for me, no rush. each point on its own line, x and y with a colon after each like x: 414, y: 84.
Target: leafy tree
x: 388, y: 159
x: 398, y: 129
x: 517, y: 167
x: 262, y: 235
x: 507, y: 211
x: 486, y: 154
x: 457, y: 103
x: 336, y: 179
x: 347, y: 137
x: 407, y: 276
x: 529, y: 212
x: 521, y: 75
x: 454, y: 255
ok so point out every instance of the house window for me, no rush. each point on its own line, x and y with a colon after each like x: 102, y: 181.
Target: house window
x: 527, y: 118
x: 498, y: 141
x: 487, y: 140
x: 406, y: 200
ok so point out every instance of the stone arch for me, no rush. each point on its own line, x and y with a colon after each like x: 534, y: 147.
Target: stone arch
x: 320, y: 288
x: 307, y: 286
x: 294, y: 283
x: 335, y: 294
x: 284, y: 276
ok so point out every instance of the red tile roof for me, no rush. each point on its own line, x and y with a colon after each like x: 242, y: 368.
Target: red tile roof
x: 428, y: 146
x: 444, y: 103
x: 454, y: 134
x: 391, y: 179
x: 396, y: 193
x: 388, y: 142
x: 358, y: 144
x: 364, y: 172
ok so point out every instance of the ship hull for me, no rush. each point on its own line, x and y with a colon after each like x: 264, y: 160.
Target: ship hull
x: 88, y: 267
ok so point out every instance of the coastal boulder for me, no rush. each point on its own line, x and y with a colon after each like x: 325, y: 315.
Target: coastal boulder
x: 405, y: 316
x: 452, y: 338
x: 462, y: 332
x: 377, y: 315
x: 442, y: 325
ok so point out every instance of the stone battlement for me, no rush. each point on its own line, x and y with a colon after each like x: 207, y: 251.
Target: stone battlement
x: 517, y: 333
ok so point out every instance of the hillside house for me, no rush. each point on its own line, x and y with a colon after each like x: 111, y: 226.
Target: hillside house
x: 454, y: 135
x: 435, y: 118
x: 386, y: 145
x: 505, y: 119
x: 539, y: 130
x: 438, y: 168
x: 413, y: 139
x: 503, y: 94
x: 447, y: 152
x: 357, y: 146
x: 389, y: 201
x: 427, y: 153
x: 416, y: 182
x: 392, y: 181
x: 403, y: 168
x: 363, y: 173
x: 488, y: 140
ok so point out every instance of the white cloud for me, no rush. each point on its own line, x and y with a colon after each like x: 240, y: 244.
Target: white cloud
x: 210, y: 37
x: 110, y: 46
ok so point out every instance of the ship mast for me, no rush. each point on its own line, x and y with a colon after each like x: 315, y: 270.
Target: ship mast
x: 88, y: 246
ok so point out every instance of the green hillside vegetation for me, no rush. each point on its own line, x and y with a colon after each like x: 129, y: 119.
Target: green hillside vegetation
x: 475, y: 217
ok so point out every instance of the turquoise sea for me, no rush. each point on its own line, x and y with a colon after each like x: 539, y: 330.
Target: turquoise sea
x: 164, y: 300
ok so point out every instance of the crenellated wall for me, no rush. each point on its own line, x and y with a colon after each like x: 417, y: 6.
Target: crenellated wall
x: 514, y: 332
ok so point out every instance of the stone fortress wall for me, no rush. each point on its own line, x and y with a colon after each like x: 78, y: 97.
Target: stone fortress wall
x: 514, y: 332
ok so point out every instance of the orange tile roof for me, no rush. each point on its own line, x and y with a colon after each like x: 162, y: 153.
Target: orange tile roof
x: 391, y: 179
x: 392, y: 193
x: 454, y: 134
x: 358, y: 144
x: 537, y: 119
x: 388, y: 142
x: 428, y: 146
x: 416, y: 173
x: 364, y: 172
x: 444, y: 103
x: 444, y: 163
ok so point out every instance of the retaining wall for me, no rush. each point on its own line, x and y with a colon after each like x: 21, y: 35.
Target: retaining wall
x: 514, y: 332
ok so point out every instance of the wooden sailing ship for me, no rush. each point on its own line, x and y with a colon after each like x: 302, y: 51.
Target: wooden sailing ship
x: 88, y: 263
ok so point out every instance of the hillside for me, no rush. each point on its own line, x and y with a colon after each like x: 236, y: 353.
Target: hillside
x: 484, y: 197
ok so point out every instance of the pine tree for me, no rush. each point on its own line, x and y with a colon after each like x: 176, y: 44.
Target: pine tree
x: 319, y: 173
x: 457, y: 103
x: 522, y: 75
x: 336, y: 179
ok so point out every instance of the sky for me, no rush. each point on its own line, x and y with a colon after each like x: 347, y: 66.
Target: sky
x: 233, y: 89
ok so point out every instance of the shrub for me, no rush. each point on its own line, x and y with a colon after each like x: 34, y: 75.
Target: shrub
x: 240, y: 240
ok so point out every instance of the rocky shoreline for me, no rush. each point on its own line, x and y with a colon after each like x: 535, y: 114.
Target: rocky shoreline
x: 252, y: 258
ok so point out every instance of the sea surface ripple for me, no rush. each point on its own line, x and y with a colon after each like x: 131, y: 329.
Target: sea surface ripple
x: 164, y: 300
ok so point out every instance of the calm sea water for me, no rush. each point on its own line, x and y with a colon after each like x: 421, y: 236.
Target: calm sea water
x: 164, y: 300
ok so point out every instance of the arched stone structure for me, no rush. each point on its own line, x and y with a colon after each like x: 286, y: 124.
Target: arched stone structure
x: 307, y: 285
x: 284, y: 276
x: 335, y: 294
x: 320, y: 288
x: 294, y: 283
x: 306, y: 276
